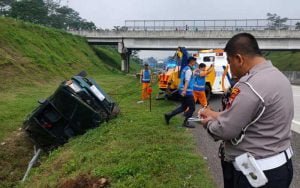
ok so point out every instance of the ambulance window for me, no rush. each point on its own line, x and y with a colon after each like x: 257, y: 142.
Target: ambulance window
x: 208, y: 59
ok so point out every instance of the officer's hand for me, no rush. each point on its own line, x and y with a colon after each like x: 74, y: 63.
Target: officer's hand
x: 205, y: 121
x: 204, y: 112
x: 207, y: 112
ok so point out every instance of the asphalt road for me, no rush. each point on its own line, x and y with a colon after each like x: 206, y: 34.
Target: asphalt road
x: 209, y: 149
x: 296, y: 121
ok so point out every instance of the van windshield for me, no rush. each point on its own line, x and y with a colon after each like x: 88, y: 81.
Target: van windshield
x: 208, y: 59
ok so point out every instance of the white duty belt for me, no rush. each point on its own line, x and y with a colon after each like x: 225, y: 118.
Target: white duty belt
x: 272, y: 162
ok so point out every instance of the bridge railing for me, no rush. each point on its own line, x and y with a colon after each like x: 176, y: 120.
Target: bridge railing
x: 293, y: 76
x: 210, y: 25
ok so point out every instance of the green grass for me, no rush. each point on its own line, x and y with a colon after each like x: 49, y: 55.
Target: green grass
x: 33, y: 61
x: 28, y: 57
x: 15, y: 105
x: 108, y: 55
x: 135, y: 150
x: 285, y: 61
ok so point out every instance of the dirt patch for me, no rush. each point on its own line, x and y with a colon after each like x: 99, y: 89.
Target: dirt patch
x: 85, y: 181
x: 15, y: 153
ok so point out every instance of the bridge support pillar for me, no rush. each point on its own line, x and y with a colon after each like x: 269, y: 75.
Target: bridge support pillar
x: 123, y: 64
x: 125, y: 57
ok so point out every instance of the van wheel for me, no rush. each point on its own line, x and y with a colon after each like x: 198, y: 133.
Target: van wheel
x: 207, y: 92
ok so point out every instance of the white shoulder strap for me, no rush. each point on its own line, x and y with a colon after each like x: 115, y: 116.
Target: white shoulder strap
x: 239, y: 139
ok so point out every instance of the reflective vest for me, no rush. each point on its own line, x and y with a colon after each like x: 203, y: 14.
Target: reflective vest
x: 146, y: 76
x: 189, y: 90
x: 199, y: 81
x: 163, y: 80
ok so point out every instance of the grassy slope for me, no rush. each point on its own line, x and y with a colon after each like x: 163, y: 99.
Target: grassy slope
x: 26, y: 54
x: 33, y: 61
x: 109, y: 53
x: 285, y: 61
x: 31, y: 66
x: 135, y: 150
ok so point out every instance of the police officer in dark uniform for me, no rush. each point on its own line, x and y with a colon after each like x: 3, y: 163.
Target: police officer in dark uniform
x: 257, y: 119
x: 186, y: 90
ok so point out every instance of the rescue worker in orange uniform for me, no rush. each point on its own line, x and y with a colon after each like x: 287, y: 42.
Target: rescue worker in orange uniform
x: 199, y: 84
x: 145, y: 79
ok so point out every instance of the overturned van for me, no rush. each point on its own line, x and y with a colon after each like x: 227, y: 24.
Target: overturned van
x: 77, y: 105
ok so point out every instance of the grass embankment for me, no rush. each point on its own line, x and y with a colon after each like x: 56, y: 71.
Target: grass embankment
x: 33, y: 61
x: 134, y: 150
x: 109, y: 54
x: 285, y: 61
x: 32, y: 56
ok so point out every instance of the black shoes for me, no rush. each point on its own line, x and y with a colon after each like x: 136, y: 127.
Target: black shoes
x: 167, y: 119
x: 188, y: 125
x: 185, y: 123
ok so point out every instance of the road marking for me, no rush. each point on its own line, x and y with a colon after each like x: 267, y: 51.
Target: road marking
x: 296, y: 122
x: 295, y: 126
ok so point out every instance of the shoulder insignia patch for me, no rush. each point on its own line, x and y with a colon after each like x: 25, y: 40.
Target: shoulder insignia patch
x: 234, y: 93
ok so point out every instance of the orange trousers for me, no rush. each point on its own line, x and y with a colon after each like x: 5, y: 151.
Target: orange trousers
x: 145, y: 95
x: 201, y: 97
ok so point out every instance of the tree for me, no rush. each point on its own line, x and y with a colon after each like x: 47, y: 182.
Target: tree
x: 116, y: 28
x: 135, y: 56
x: 276, y: 22
x: 46, y: 12
x: 33, y: 11
x: 52, y: 6
x: 85, y: 25
x: 298, y: 25
x: 5, y: 6
x: 151, y: 61
x: 67, y: 18
x: 135, y: 53
x: 124, y: 28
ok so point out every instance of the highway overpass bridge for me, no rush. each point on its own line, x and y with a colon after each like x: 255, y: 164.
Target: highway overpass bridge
x: 169, y: 38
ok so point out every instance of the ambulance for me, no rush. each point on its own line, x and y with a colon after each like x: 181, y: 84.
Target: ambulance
x: 218, y: 80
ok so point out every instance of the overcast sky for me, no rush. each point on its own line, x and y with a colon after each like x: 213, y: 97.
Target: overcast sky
x: 109, y: 13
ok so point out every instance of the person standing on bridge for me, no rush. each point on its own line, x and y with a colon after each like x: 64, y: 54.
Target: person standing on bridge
x: 257, y: 119
x: 186, y: 90
x: 145, y: 79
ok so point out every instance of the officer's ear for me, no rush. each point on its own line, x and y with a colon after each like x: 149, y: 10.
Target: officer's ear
x: 240, y: 59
